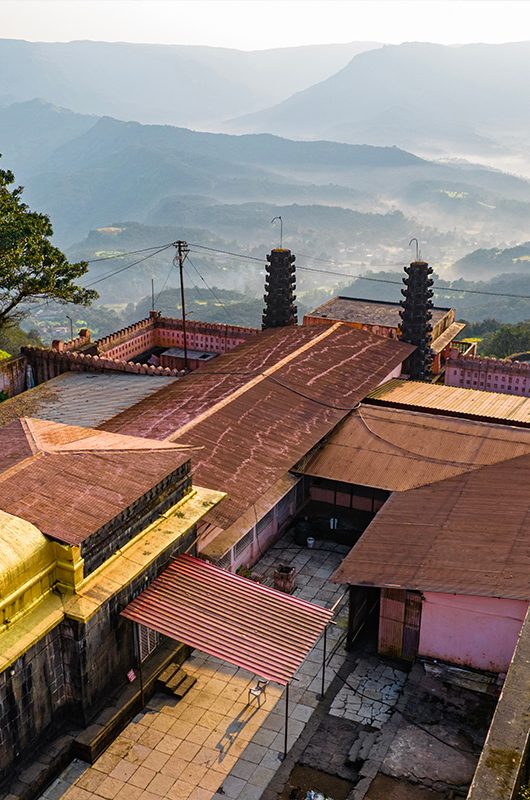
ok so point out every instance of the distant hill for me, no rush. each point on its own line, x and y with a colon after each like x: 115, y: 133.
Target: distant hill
x: 87, y: 171
x: 485, y: 263
x: 429, y: 98
x: 177, y: 84
x: 356, y: 206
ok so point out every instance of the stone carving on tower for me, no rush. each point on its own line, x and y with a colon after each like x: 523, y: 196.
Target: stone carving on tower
x: 279, y: 297
x: 416, y: 315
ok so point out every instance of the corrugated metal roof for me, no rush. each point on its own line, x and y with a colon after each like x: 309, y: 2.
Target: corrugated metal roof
x: 82, y: 398
x: 252, y: 626
x: 70, y: 481
x: 447, y: 336
x: 254, y: 412
x: 370, y: 312
x: 453, y: 400
x: 467, y: 535
x: 396, y: 450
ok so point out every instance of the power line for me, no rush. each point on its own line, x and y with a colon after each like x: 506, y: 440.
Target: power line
x: 228, y: 253
x: 436, y: 287
x: 122, y: 255
x: 211, y: 290
x: 127, y: 266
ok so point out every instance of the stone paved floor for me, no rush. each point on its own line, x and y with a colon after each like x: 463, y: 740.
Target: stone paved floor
x: 372, y: 693
x: 212, y: 743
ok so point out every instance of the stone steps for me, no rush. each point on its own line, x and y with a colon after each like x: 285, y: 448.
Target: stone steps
x: 174, y: 681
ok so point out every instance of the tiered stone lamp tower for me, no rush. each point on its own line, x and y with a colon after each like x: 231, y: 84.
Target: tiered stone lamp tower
x: 279, y: 297
x: 416, y: 315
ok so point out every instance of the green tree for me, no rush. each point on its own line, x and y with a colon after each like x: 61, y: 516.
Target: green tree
x: 505, y: 341
x: 30, y: 266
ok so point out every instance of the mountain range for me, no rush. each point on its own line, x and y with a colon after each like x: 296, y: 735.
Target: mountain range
x: 469, y: 100
x: 175, y: 84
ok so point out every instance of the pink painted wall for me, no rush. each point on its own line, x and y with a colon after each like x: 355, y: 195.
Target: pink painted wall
x: 479, y: 632
x: 488, y: 374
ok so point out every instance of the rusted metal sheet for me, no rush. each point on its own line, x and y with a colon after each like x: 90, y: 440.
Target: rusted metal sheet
x: 412, y: 624
x: 391, y: 622
x: 447, y: 337
x: 70, y: 481
x: 251, y: 414
x: 370, y: 312
x: 252, y: 626
x: 395, y: 450
x: 467, y: 535
x: 453, y: 400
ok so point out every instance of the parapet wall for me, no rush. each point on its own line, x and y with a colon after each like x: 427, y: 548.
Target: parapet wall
x: 13, y: 375
x: 116, y: 351
x: 48, y: 364
x: 158, y: 331
x: 491, y: 374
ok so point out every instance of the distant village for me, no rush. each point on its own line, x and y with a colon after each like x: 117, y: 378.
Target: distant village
x: 242, y: 563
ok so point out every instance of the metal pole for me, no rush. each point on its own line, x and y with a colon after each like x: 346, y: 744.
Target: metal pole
x: 181, y: 256
x: 139, y: 659
x: 286, y: 721
x: 152, y: 294
x: 322, y: 688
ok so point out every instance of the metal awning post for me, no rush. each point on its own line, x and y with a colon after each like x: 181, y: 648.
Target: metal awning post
x: 286, y: 731
x: 324, y: 653
x: 139, y: 660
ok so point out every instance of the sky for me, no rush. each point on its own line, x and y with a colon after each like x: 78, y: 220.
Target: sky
x: 261, y: 24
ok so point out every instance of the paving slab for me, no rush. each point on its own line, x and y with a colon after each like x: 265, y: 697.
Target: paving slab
x: 213, y: 743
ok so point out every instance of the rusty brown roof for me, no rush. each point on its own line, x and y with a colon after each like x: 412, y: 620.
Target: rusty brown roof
x: 70, y: 481
x: 243, y: 622
x: 370, y: 312
x: 456, y: 400
x: 466, y: 535
x: 393, y: 449
x: 251, y: 414
x: 447, y: 336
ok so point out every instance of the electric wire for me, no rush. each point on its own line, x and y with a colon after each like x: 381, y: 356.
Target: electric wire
x: 122, y: 255
x: 126, y: 267
x: 436, y: 287
x: 220, y: 302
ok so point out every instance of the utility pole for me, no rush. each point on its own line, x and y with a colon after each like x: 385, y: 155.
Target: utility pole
x: 152, y: 294
x: 182, y: 252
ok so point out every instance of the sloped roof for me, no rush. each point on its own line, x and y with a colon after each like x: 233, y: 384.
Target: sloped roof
x: 251, y: 414
x: 395, y: 450
x: 243, y: 622
x: 369, y: 312
x: 466, y: 535
x: 82, y: 398
x: 69, y: 481
x: 455, y: 400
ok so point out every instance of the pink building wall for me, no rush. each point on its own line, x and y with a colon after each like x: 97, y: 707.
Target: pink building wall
x: 488, y: 374
x: 479, y: 632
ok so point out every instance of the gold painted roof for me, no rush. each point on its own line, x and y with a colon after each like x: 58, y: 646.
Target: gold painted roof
x: 24, y: 552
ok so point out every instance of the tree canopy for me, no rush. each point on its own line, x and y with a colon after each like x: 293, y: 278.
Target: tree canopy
x: 30, y: 266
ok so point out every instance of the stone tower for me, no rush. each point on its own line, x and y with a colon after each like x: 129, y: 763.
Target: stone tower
x: 279, y: 297
x: 416, y: 315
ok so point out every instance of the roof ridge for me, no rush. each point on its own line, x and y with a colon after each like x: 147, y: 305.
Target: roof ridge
x: 253, y: 382
x: 30, y: 433
x: 80, y: 444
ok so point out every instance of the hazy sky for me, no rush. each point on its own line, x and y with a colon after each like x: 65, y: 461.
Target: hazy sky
x: 257, y: 24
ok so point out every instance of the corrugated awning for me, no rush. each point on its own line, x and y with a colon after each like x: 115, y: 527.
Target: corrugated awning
x: 247, y: 624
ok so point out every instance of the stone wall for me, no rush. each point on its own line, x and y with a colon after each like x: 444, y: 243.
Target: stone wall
x: 47, y: 364
x: 111, y: 537
x: 13, y: 375
x: 32, y: 698
x: 69, y: 675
